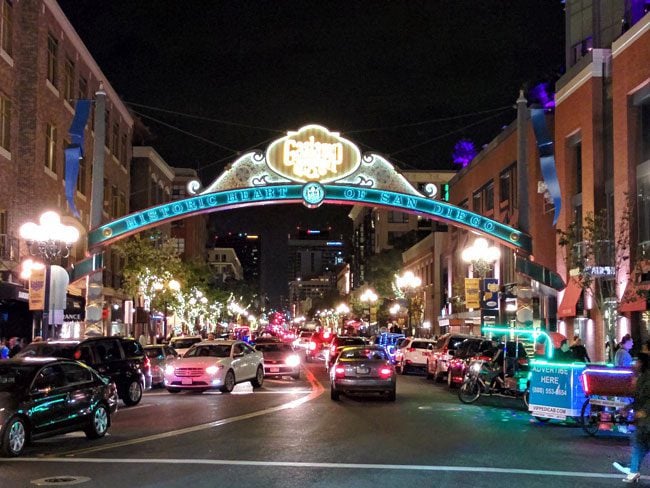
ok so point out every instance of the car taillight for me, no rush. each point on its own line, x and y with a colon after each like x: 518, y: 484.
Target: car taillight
x: 339, y: 372
x: 385, y: 372
x: 312, y: 346
x: 147, y: 362
x: 411, y: 349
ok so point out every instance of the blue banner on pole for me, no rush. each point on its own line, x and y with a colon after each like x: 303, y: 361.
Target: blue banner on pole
x: 547, y: 158
x: 74, y: 152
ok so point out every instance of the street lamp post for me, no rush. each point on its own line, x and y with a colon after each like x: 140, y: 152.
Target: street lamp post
x: 481, y: 256
x: 369, y: 297
x: 50, y: 240
x: 409, y: 284
x: 342, y: 310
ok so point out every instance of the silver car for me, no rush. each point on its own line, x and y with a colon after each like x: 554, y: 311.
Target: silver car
x: 363, y: 369
x: 159, y: 355
x: 280, y: 359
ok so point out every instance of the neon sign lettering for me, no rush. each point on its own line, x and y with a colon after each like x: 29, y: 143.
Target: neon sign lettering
x: 312, y: 159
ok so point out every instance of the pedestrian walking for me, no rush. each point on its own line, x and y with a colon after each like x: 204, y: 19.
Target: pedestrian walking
x: 14, y: 346
x: 579, y: 350
x: 623, y: 356
x: 640, y: 439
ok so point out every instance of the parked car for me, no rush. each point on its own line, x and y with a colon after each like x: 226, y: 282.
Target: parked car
x: 469, y: 350
x: 159, y: 356
x: 363, y: 369
x: 122, y: 360
x: 42, y: 397
x: 182, y: 344
x: 337, y: 344
x: 280, y: 359
x: 412, y: 354
x: 440, y: 355
x: 215, y: 365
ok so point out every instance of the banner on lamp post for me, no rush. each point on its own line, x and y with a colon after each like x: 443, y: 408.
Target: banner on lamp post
x: 37, y: 289
x: 490, y: 294
x: 472, y: 293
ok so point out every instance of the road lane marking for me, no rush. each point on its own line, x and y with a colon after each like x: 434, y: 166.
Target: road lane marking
x: 316, y: 391
x: 290, y: 464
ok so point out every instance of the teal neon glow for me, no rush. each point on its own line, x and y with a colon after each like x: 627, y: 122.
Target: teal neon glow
x: 291, y: 193
x: 525, y: 331
x: 555, y: 364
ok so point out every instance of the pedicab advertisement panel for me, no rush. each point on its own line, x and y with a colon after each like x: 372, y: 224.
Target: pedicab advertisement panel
x: 556, y: 390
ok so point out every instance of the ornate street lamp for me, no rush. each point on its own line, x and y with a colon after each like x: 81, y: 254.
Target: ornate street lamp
x: 409, y: 284
x: 481, y: 256
x: 342, y: 310
x: 50, y: 240
x: 369, y: 297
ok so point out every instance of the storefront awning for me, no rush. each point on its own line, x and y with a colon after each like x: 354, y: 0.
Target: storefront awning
x: 539, y: 273
x: 633, y: 301
x: 567, y: 307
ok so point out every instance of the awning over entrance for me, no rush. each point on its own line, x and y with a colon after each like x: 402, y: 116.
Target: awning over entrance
x: 567, y: 307
x: 539, y: 273
x: 632, y: 300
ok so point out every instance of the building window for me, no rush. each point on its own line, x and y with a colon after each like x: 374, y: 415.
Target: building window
x: 477, y: 203
x: 107, y: 194
x: 643, y: 204
x: 122, y: 157
x: 50, y: 147
x: 393, y: 237
x: 82, y: 92
x: 645, y: 132
x: 5, y: 123
x: 397, y: 217
x: 52, y: 59
x: 6, y: 27
x: 81, y: 180
x: 507, y: 186
x: 488, y: 193
x: 68, y: 80
x: 115, y: 140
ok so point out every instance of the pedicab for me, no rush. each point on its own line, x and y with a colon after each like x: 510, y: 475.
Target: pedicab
x: 609, y: 394
x: 507, y: 374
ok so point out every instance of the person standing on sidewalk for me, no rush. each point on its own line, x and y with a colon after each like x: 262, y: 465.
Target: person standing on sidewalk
x: 623, y: 356
x: 640, y: 439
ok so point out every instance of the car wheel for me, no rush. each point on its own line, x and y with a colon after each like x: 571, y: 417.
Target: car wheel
x: 259, y: 378
x: 98, y: 423
x: 228, y: 382
x: 173, y: 390
x: 14, y: 437
x: 133, y: 393
x: 391, y: 396
x: 334, y: 395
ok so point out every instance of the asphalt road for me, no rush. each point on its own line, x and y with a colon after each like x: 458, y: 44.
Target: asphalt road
x: 291, y: 434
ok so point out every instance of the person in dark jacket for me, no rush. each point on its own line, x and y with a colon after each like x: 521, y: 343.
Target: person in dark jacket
x: 579, y: 350
x: 640, y: 439
x: 564, y: 353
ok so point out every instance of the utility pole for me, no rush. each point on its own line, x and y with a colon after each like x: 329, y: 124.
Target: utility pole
x: 95, y: 284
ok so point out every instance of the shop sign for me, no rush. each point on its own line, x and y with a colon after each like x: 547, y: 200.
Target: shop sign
x: 313, y: 153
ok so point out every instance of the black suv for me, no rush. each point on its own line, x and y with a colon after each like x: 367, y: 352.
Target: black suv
x: 121, y: 360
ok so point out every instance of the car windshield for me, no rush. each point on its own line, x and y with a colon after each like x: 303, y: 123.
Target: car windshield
x: 364, y: 353
x: 215, y: 351
x: 46, y: 349
x: 184, y: 343
x: 15, y: 377
x: 273, y: 347
x: 420, y: 344
x: 350, y: 341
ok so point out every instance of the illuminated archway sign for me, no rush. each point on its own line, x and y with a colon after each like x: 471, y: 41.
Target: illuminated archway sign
x: 312, y: 166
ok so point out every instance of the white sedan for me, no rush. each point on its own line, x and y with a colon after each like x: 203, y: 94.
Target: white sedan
x: 215, y: 365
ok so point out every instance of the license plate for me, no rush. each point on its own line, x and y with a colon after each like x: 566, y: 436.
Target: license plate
x: 186, y: 381
x: 363, y: 370
x: 274, y: 370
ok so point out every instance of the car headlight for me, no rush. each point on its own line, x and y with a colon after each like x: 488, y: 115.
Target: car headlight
x: 475, y: 367
x: 213, y: 369
x: 292, y: 360
x: 169, y: 369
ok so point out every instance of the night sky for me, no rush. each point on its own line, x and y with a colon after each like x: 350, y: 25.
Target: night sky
x: 405, y: 78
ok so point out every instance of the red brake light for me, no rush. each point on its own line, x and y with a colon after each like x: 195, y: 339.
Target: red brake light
x: 385, y: 372
x: 147, y: 362
x: 339, y: 372
x: 411, y: 349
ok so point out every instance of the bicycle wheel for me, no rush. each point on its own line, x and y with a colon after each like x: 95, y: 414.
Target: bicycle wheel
x: 469, y: 391
x: 590, y: 417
